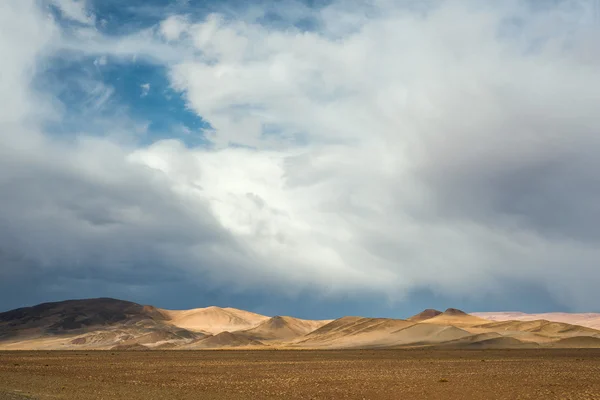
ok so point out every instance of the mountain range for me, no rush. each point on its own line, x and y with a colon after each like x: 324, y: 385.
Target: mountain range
x: 110, y: 324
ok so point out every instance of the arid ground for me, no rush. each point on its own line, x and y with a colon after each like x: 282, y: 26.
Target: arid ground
x: 304, y: 374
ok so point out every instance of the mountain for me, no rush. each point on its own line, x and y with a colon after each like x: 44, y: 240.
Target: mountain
x: 90, y: 323
x: 214, y: 320
x: 453, y: 316
x: 578, y: 343
x: 501, y: 342
x: 224, y: 340
x: 73, y: 315
x: 121, y: 325
x: 538, y: 331
x: 425, y: 314
x: 282, y: 328
x: 590, y: 320
x: 353, y: 332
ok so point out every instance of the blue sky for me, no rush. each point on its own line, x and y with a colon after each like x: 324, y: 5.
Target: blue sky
x: 315, y: 159
x: 139, y: 91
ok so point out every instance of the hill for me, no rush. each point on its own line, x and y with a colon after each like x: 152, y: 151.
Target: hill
x: 224, y: 340
x: 282, y: 328
x: 586, y: 342
x: 425, y: 314
x: 350, y: 332
x: 106, y: 323
x: 539, y: 328
x: 74, y: 315
x: 214, y: 320
x: 92, y: 323
x: 455, y: 317
x: 589, y: 320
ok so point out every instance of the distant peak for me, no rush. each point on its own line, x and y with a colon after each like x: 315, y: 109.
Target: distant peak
x: 426, y: 314
x: 454, y: 311
x: 430, y: 311
x: 278, y: 321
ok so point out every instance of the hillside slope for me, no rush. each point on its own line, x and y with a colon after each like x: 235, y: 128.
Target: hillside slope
x: 116, y: 324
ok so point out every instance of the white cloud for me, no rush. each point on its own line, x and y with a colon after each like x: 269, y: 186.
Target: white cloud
x: 452, y: 149
x: 101, y: 61
x: 173, y: 27
x: 25, y: 33
x: 419, y: 128
x: 145, y: 89
x: 76, y: 10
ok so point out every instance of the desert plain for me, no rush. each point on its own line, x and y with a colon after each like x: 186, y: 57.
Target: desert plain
x: 302, y: 374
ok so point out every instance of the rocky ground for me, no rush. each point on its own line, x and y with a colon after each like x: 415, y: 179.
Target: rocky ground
x: 379, y: 374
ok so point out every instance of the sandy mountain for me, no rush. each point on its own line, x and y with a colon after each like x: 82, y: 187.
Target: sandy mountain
x: 73, y: 315
x: 224, y: 340
x: 282, y: 328
x: 335, y: 326
x: 539, y: 332
x: 579, y: 342
x: 455, y: 317
x: 590, y: 320
x: 129, y: 347
x: 425, y: 334
x: 214, y: 320
x: 425, y: 314
x: 350, y: 332
x: 540, y: 327
x: 116, y: 324
x: 504, y: 342
x: 380, y: 333
x: 92, y: 323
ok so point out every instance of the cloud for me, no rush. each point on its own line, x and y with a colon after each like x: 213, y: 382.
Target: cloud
x: 101, y: 61
x: 450, y: 151
x: 173, y: 27
x: 75, y: 10
x: 389, y: 149
x: 145, y: 89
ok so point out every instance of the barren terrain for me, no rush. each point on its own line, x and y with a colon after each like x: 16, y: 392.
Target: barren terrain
x: 304, y: 374
x: 590, y: 320
x: 110, y: 324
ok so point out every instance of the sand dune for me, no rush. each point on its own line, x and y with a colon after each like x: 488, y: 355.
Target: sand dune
x: 335, y: 325
x: 427, y: 334
x: 504, y: 342
x: 224, y: 340
x: 282, y: 328
x: 354, y: 332
x: 380, y: 332
x: 473, y: 338
x: 130, y: 347
x: 579, y: 342
x: 425, y: 314
x: 455, y: 317
x: 540, y: 327
x: 490, y: 340
x: 214, y: 320
x: 589, y: 320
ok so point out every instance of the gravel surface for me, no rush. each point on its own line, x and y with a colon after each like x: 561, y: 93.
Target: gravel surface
x: 384, y: 374
x: 14, y: 396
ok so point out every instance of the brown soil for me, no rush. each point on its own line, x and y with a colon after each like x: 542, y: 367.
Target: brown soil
x: 360, y: 374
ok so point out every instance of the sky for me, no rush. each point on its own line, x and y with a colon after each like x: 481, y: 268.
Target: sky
x: 307, y: 158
